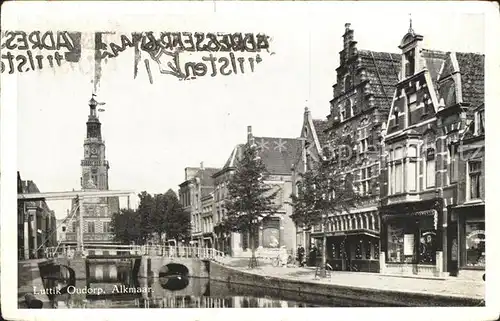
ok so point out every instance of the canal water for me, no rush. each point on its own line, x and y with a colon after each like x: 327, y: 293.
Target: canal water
x: 115, y: 284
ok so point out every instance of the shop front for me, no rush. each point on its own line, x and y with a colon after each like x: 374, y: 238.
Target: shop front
x: 471, y: 256
x: 354, y: 250
x: 222, y: 240
x: 411, y: 240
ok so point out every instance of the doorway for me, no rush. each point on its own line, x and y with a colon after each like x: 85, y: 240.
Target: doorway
x: 345, y: 248
x: 453, y: 248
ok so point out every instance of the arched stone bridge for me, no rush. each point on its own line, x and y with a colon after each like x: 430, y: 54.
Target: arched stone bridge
x: 155, y: 260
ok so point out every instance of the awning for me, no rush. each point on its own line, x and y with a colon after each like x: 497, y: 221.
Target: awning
x: 431, y: 212
x: 469, y: 205
x: 347, y: 233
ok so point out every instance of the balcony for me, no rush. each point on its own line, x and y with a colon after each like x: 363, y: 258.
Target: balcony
x: 71, y: 236
x: 409, y: 197
x: 94, y: 162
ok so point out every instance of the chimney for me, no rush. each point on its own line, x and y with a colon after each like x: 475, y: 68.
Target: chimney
x: 349, y: 44
x: 250, y: 139
x: 201, y: 166
x: 348, y: 35
x: 185, y: 174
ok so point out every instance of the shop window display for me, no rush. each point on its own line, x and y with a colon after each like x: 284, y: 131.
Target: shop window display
x: 475, y: 244
x: 411, y: 242
x: 270, y: 233
x: 334, y: 251
x: 368, y: 252
x: 427, y: 248
x: 395, y: 243
x: 358, y: 253
x: 375, y: 251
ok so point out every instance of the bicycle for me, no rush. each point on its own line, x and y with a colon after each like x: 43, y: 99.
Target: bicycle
x: 277, y: 261
x: 354, y: 268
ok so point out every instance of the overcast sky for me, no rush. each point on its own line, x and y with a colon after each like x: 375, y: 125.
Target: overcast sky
x: 153, y: 131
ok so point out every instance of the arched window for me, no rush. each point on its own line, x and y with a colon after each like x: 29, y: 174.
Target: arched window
x: 409, y: 63
x: 347, y: 82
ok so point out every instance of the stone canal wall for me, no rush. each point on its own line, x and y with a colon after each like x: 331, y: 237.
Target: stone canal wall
x: 28, y: 279
x: 350, y: 295
x: 152, y: 266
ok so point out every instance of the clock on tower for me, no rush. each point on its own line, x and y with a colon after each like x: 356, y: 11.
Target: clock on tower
x: 93, y: 151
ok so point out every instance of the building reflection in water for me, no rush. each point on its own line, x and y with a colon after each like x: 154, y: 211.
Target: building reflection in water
x: 165, y: 292
x: 210, y: 302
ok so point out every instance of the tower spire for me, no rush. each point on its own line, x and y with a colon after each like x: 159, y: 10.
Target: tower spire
x: 410, y: 29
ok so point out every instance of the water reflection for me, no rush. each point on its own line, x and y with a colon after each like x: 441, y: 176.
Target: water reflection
x: 173, y: 289
x: 213, y: 302
x: 174, y: 283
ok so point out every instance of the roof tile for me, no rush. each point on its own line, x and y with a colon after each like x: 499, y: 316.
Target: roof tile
x: 320, y: 126
x: 278, y: 154
x: 382, y: 71
x: 472, y: 73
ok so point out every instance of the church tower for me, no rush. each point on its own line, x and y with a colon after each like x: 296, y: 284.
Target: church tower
x: 96, y: 212
x: 94, y: 164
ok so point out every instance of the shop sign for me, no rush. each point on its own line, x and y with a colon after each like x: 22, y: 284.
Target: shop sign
x: 473, y: 236
x: 408, y: 244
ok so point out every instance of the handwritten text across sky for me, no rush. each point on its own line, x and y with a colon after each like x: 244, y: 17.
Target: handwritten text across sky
x: 155, y: 125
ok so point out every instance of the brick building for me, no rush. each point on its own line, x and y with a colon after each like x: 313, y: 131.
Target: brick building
x: 467, y: 238
x: 198, y: 183
x: 224, y: 242
x: 278, y: 155
x: 36, y: 223
x: 207, y: 220
x: 361, y: 101
x: 431, y: 110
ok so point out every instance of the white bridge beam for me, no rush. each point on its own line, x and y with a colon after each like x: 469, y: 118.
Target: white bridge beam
x: 51, y: 196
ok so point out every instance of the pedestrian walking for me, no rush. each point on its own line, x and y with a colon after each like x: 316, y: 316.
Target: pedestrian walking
x: 313, y: 254
x: 300, y: 255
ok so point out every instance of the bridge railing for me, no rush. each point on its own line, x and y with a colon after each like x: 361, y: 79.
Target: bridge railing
x: 150, y: 250
x: 61, y: 251
x: 183, y: 251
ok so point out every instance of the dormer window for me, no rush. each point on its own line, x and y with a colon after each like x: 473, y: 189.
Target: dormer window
x: 396, y: 117
x: 409, y: 63
x: 479, y: 123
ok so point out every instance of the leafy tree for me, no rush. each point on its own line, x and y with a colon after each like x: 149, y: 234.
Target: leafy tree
x: 156, y: 215
x: 125, y: 227
x: 250, y: 198
x: 178, y: 222
x: 145, y: 213
x: 324, y: 190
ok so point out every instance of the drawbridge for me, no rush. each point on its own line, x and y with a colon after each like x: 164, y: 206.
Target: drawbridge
x: 75, y: 215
